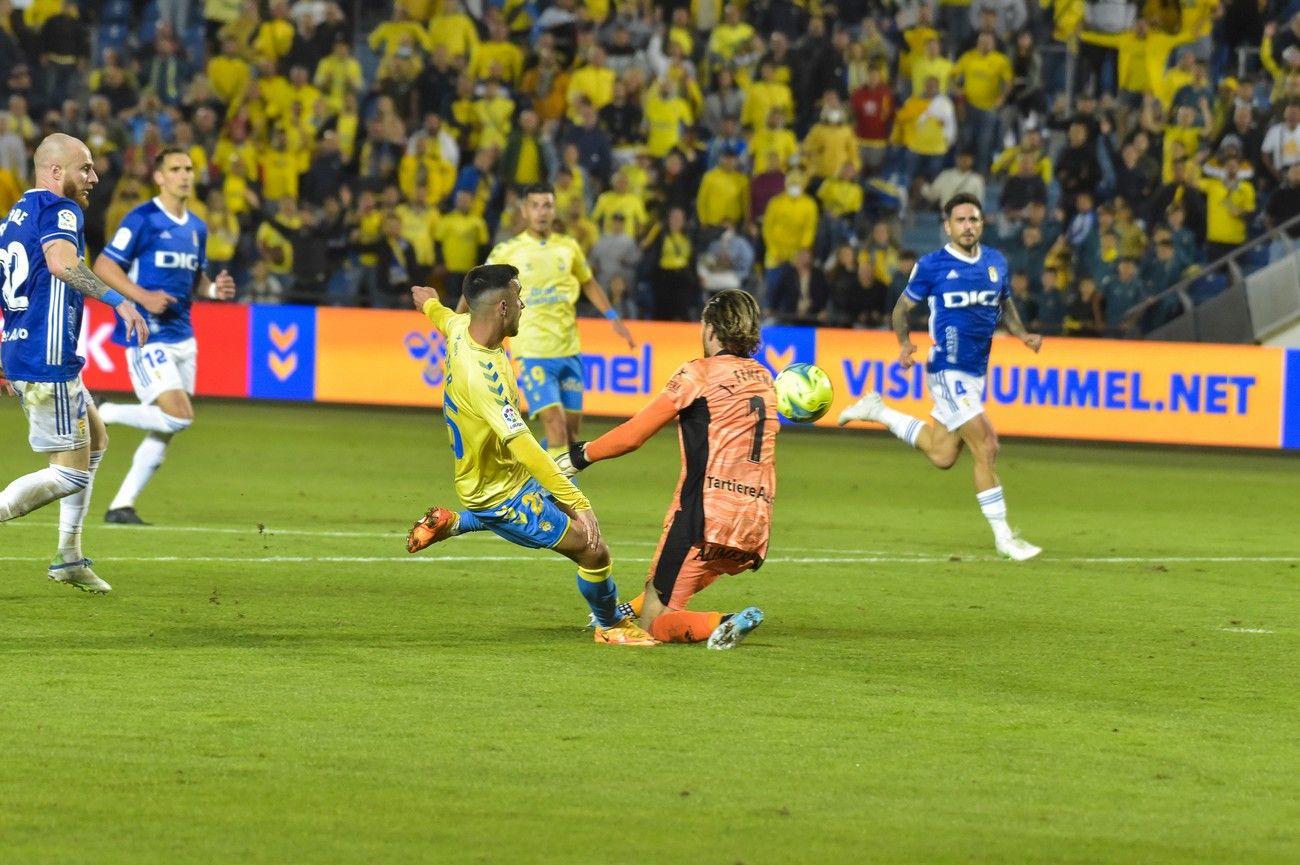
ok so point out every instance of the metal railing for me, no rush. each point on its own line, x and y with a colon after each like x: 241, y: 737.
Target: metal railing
x: 1228, y: 264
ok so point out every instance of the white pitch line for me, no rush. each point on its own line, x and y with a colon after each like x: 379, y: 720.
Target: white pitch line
x: 540, y: 556
x: 266, y: 531
x: 1246, y: 630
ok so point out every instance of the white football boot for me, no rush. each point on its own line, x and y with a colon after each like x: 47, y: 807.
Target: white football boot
x: 1016, y: 548
x: 866, y: 409
x: 79, y: 575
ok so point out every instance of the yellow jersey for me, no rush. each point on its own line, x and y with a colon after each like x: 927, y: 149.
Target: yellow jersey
x: 481, y: 405
x: 461, y: 236
x: 984, y: 77
x: 552, y: 272
x: 630, y: 206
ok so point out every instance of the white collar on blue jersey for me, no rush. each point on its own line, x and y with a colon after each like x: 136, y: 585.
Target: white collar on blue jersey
x: 184, y: 219
x: 952, y: 250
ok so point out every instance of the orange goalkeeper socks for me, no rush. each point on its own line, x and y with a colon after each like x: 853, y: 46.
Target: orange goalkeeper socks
x: 684, y: 626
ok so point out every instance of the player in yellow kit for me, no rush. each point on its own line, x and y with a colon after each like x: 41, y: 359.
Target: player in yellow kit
x: 507, y: 483
x: 554, y: 273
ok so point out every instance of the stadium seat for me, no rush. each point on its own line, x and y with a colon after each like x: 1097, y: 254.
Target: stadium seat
x: 148, y: 27
x: 115, y: 36
x: 1207, y: 287
x: 116, y: 12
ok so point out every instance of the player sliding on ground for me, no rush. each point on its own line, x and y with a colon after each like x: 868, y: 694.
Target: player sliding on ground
x: 719, y: 519
x: 967, y: 287
x: 507, y: 482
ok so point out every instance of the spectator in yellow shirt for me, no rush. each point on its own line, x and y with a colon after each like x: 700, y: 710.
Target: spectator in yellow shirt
x: 273, y: 247
x: 665, y: 115
x: 229, y: 74
x: 1229, y: 204
x: 498, y: 57
x: 494, y: 115
x: 841, y: 201
x: 580, y: 228
x: 724, y: 194
x: 279, y: 167
x: 275, y: 36
x: 338, y: 74
x: 390, y: 35
x: 426, y: 170
x: 1143, y: 56
x: 1031, y: 144
x: 732, y: 35
x: 619, y: 199
x: 420, y: 227
x: 223, y: 232
x: 454, y: 30
x: 594, y: 81
x: 931, y: 64
x: 774, y: 140
x: 831, y: 142
x: 764, y: 95
x: 789, y: 225
x: 985, y: 77
x: 462, y: 237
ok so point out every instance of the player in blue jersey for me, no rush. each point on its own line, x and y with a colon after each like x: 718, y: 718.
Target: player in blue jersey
x: 45, y: 278
x: 160, y: 246
x: 967, y: 288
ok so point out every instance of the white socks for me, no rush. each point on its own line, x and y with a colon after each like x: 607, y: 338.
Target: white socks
x: 145, y: 417
x: 994, y: 508
x: 904, y: 426
x: 38, y: 489
x: 148, y: 457
x: 72, y: 514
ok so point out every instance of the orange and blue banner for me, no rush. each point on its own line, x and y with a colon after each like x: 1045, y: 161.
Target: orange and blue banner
x: 1106, y: 390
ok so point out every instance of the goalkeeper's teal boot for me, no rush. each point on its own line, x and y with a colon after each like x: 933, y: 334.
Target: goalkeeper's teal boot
x: 736, y: 628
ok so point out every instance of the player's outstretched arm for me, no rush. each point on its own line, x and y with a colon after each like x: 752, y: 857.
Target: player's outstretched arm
x: 622, y: 439
x: 600, y: 300
x: 426, y: 301
x: 155, y: 302
x: 64, y: 263
x: 1011, y: 318
x: 902, y: 310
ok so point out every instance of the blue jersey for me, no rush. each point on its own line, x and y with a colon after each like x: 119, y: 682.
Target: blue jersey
x: 965, y: 297
x: 161, y: 253
x: 42, y: 314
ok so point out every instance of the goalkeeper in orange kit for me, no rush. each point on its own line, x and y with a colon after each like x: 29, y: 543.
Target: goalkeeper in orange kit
x: 719, y: 520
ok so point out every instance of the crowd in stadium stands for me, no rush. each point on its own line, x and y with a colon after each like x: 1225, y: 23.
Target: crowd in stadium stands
x: 780, y: 146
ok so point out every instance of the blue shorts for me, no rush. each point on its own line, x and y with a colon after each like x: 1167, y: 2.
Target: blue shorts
x: 552, y: 381
x: 529, y: 518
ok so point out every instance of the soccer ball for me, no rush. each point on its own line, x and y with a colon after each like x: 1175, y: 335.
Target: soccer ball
x: 803, y: 392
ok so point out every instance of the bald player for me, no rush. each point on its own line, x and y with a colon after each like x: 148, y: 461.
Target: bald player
x: 45, y: 283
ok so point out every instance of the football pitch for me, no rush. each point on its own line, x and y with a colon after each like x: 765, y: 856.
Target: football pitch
x: 274, y: 680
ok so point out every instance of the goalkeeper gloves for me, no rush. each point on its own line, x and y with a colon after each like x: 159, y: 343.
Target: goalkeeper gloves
x: 574, y: 461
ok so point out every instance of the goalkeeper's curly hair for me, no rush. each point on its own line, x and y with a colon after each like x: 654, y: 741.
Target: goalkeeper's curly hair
x: 737, y: 321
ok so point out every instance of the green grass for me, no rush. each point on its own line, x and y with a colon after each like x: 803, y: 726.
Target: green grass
x: 909, y: 700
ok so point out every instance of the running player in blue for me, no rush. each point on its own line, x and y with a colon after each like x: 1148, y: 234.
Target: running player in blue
x: 160, y: 247
x: 967, y: 288
x: 45, y: 281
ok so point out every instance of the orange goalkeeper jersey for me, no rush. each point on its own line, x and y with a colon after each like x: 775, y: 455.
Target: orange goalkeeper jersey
x: 727, y: 424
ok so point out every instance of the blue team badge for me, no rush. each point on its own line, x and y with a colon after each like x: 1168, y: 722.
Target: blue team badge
x: 431, y: 349
x: 993, y: 273
x: 194, y: 236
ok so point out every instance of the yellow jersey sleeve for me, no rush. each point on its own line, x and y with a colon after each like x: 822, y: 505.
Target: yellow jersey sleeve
x: 440, y: 315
